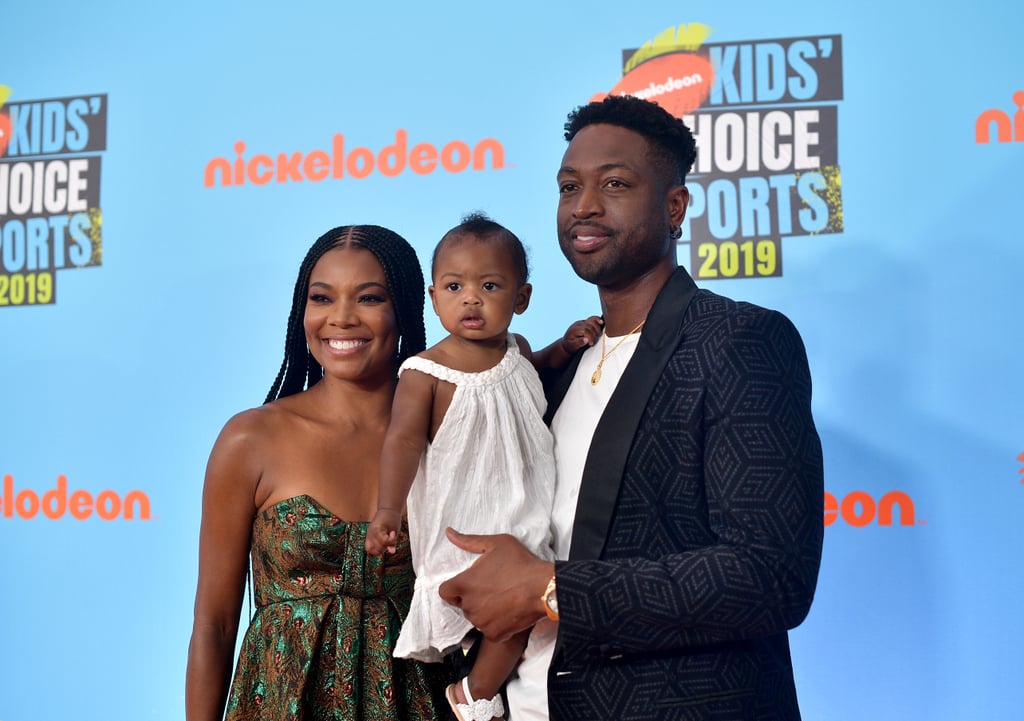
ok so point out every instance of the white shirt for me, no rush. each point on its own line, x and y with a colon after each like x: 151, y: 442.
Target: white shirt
x: 573, y: 428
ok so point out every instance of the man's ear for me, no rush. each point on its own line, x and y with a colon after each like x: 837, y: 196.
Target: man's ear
x: 677, y: 200
x: 523, y: 298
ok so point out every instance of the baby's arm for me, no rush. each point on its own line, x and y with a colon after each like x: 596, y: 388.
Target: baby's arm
x: 581, y: 333
x: 400, y: 458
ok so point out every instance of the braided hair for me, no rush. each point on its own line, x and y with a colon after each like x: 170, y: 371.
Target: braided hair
x: 299, y: 370
x: 670, y: 141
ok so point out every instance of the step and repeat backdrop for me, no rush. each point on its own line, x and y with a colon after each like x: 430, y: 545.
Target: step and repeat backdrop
x: 163, y: 170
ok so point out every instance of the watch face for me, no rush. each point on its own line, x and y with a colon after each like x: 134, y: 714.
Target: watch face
x: 553, y: 602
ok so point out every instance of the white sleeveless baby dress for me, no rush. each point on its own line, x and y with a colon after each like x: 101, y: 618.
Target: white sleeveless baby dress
x: 489, y: 469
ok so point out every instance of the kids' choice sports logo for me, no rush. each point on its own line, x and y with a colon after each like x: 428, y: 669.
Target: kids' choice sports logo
x: 78, y: 504
x: 765, y: 118
x: 50, y: 217
x: 343, y: 160
x: 997, y: 124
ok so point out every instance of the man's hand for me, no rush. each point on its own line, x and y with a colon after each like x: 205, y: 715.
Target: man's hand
x: 500, y: 593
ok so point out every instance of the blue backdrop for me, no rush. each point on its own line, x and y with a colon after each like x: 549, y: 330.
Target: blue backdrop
x: 164, y: 168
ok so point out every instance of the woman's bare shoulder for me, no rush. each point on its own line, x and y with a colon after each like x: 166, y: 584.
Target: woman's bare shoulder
x: 252, y: 422
x: 258, y: 428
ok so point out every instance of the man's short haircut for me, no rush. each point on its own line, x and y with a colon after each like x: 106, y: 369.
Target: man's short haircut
x: 671, y: 143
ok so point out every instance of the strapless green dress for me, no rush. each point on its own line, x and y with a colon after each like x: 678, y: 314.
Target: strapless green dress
x: 319, y: 645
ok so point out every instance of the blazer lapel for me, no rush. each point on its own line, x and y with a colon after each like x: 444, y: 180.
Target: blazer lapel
x: 606, y: 460
x: 556, y: 386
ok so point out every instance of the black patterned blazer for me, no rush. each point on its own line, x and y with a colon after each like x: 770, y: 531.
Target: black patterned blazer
x: 699, y: 525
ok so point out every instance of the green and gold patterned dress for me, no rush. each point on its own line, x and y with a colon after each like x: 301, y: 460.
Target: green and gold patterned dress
x: 327, y: 616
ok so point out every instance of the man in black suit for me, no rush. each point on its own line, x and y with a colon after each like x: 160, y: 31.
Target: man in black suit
x: 689, y: 495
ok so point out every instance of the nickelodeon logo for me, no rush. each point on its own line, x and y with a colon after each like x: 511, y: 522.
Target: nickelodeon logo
x: 860, y: 509
x: 80, y: 504
x: 358, y: 162
x: 5, y: 121
x: 668, y: 71
x: 1004, y: 126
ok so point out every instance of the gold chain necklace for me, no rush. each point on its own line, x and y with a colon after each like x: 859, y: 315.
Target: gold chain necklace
x: 596, y: 377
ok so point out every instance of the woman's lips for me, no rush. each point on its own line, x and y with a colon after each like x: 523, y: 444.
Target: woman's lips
x: 345, y: 344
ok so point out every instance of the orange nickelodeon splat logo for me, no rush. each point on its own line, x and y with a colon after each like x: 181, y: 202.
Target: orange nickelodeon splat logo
x: 859, y: 509
x: 1003, y: 125
x: 5, y: 121
x: 80, y: 504
x: 668, y: 71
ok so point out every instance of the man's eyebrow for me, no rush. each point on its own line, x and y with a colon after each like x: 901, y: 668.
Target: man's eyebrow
x: 605, y: 167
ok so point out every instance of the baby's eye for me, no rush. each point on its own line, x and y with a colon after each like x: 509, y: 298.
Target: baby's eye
x: 454, y: 287
x: 490, y: 285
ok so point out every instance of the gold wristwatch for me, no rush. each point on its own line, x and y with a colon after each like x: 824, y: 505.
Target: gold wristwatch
x: 550, y: 600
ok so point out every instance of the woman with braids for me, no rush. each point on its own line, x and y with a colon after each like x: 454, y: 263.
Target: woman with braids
x: 294, y: 483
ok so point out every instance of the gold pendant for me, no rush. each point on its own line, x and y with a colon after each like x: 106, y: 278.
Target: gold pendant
x: 596, y: 377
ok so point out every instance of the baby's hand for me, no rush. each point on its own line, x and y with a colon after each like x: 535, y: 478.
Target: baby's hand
x: 382, y: 533
x: 582, y: 333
